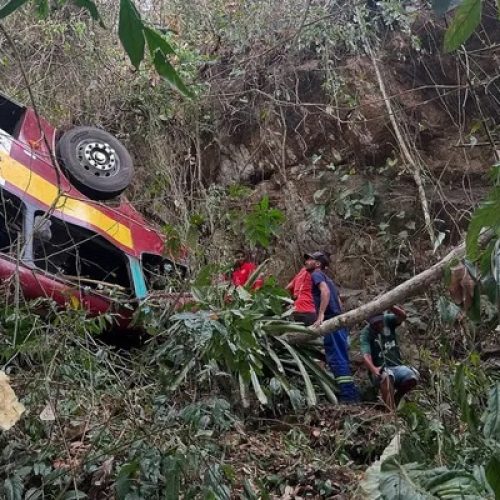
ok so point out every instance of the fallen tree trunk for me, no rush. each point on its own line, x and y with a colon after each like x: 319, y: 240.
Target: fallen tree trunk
x: 382, y: 302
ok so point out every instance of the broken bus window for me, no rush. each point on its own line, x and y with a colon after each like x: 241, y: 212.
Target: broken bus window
x: 11, y: 223
x: 161, y: 273
x: 77, y: 253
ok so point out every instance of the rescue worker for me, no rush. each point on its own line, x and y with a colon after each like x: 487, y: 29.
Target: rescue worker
x: 381, y: 355
x: 327, y: 303
x: 300, y: 288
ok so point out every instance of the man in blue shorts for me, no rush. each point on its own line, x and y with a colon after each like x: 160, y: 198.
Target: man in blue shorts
x: 327, y: 303
x: 380, y: 350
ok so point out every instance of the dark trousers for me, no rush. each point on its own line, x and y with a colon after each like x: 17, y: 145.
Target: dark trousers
x: 306, y: 318
x: 337, y: 355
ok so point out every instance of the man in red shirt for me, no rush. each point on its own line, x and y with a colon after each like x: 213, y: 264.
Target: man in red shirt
x: 243, y: 269
x: 304, y: 310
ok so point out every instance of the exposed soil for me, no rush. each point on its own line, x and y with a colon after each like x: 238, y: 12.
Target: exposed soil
x: 319, y: 455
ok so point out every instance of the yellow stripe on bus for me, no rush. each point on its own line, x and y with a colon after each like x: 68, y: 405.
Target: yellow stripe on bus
x: 42, y: 190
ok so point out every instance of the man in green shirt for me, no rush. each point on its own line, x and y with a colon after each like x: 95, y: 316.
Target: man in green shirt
x: 381, y: 355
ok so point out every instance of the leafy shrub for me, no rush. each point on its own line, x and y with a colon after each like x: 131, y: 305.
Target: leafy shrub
x: 465, y: 446
x: 236, y: 333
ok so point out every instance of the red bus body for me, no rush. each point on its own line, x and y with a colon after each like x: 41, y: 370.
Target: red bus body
x: 28, y: 174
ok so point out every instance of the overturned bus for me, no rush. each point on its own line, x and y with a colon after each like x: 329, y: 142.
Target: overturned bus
x: 64, y: 234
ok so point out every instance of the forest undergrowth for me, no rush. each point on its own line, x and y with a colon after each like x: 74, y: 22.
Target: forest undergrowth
x: 329, y: 124
x: 214, y: 405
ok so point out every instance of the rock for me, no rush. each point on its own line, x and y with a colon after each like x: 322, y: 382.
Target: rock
x: 236, y: 165
x: 10, y: 408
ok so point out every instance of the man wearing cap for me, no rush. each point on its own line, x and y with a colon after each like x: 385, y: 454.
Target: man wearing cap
x: 379, y: 346
x: 326, y: 300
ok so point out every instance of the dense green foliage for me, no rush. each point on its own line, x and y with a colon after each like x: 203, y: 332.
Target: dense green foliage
x: 132, y: 30
x: 465, y: 21
x: 447, y: 450
x: 148, y: 423
x: 451, y: 446
x: 159, y: 421
x: 110, y: 426
x: 235, y: 335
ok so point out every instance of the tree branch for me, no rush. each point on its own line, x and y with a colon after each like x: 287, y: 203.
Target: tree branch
x: 382, y: 302
x: 414, y: 164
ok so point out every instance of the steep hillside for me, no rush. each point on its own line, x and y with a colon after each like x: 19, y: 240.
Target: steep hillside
x: 371, y: 143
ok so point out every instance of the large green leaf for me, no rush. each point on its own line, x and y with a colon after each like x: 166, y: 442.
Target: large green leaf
x: 75, y: 495
x: 13, y: 488
x: 310, y: 392
x: 91, y: 8
x: 130, y: 31
x: 275, y: 358
x: 491, y: 416
x: 399, y: 482
x: 243, y: 391
x: 10, y: 7
x: 257, y: 387
x: 466, y: 20
x: 474, y: 313
x: 414, y: 482
x: 124, y: 479
x: 42, y: 8
x: 461, y: 396
x: 444, y: 483
x: 487, y: 215
x: 172, y: 470
x: 157, y: 42
x: 167, y: 71
x: 280, y: 327
x: 323, y: 378
x: 493, y: 474
x: 485, y: 260
x: 481, y: 477
x: 370, y: 483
